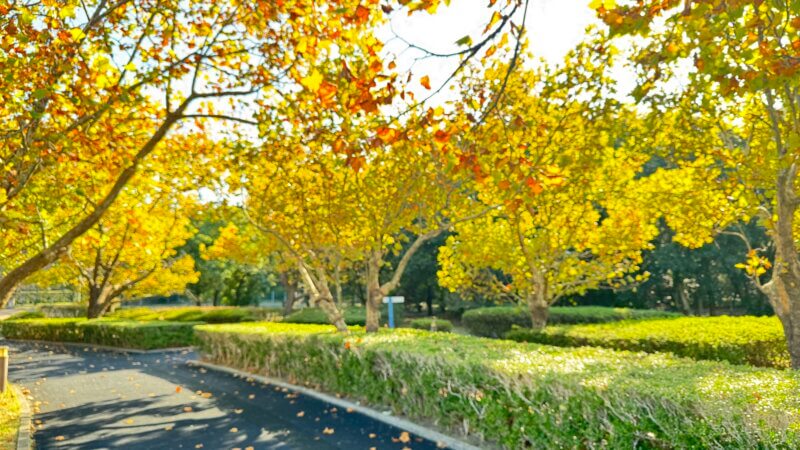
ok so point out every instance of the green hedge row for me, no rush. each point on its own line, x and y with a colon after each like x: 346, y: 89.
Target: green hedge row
x: 353, y: 315
x: 62, y: 310
x: 113, y: 333
x: 495, y: 321
x: 758, y: 341
x: 208, y: 314
x: 522, y: 395
x: 426, y: 323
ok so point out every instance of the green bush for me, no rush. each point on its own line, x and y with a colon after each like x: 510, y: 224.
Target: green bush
x: 758, y: 341
x: 63, y: 310
x: 426, y: 323
x: 497, y: 320
x: 113, y: 333
x: 27, y: 315
x: 353, y: 315
x: 522, y: 395
x: 206, y: 314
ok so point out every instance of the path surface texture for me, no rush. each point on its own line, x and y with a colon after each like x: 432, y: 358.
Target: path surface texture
x: 91, y: 399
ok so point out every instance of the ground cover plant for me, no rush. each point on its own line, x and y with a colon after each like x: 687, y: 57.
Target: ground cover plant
x: 113, y: 333
x: 523, y: 395
x: 495, y: 321
x: 9, y: 419
x: 758, y: 341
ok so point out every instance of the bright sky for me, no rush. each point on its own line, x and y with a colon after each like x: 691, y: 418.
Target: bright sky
x: 553, y: 27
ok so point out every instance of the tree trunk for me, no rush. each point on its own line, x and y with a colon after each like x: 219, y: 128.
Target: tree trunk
x: 100, y: 301
x: 538, y: 306
x: 325, y: 301
x: 680, y: 293
x: 783, y: 290
x: 374, y: 294
x: 289, y: 292
x: 429, y: 301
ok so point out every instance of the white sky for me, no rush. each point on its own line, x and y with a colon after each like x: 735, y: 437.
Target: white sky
x: 553, y: 28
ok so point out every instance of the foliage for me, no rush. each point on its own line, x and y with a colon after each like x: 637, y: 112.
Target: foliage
x: 427, y: 323
x: 197, y: 314
x: 758, y: 341
x: 526, y: 395
x: 112, y: 333
x: 353, y: 315
x: 495, y: 321
x: 27, y: 315
x: 9, y: 419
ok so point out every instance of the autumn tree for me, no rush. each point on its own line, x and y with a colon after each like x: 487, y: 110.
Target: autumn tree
x: 554, y: 155
x: 130, y: 252
x: 721, y: 82
x: 89, y: 90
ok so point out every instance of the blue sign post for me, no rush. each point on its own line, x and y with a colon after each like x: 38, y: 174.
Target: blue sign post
x: 391, y: 301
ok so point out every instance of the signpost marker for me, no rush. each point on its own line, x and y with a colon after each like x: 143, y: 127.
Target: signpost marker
x: 3, y: 369
x: 391, y: 301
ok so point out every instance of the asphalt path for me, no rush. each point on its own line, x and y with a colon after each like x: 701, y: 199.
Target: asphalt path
x: 92, y: 399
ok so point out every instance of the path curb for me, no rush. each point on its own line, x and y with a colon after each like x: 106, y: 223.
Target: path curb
x: 103, y: 347
x: 386, y: 418
x: 24, y: 441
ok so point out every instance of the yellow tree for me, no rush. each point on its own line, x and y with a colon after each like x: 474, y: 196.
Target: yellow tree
x: 91, y: 89
x: 720, y: 80
x: 554, y: 155
x: 130, y: 252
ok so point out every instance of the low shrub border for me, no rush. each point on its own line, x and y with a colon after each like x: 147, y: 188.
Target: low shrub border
x: 353, y: 315
x: 523, y: 395
x: 111, y: 333
x: 495, y: 321
x: 426, y: 323
x: 758, y: 341
x: 208, y: 314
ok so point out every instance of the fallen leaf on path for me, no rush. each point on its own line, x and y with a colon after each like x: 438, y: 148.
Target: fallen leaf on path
x: 372, y: 435
x: 169, y: 427
x: 238, y: 411
x: 251, y: 396
x: 404, y: 437
x: 177, y: 389
x: 327, y: 431
x: 301, y: 414
x: 60, y: 438
x: 187, y: 409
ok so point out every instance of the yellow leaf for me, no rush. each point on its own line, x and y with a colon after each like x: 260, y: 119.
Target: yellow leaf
x: 312, y: 82
x: 77, y: 34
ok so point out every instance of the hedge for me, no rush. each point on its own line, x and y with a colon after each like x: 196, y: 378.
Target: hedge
x: 113, y: 333
x: 521, y: 395
x: 206, y: 314
x: 497, y: 320
x: 427, y: 322
x: 758, y: 341
x: 353, y: 315
x: 63, y: 310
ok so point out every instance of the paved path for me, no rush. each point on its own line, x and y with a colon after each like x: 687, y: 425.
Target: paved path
x: 86, y: 399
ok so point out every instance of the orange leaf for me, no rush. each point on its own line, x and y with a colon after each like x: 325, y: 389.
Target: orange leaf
x: 425, y: 82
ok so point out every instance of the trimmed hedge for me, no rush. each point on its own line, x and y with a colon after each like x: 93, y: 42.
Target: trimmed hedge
x: 63, y: 310
x: 113, y: 333
x: 208, y: 314
x: 495, y: 321
x: 27, y: 315
x: 426, y: 323
x: 758, y: 341
x: 353, y: 315
x: 526, y: 395
x: 9, y: 419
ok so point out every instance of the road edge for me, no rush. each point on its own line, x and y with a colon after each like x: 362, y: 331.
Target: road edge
x: 24, y: 441
x: 106, y: 348
x: 386, y: 418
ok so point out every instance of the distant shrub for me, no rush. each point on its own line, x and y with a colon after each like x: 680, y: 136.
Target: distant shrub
x: 498, y: 320
x: 757, y: 341
x: 63, y: 310
x: 353, y: 315
x: 206, y: 314
x: 27, y: 315
x: 426, y: 323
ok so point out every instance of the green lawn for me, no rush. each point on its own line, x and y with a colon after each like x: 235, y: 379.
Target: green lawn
x: 9, y: 420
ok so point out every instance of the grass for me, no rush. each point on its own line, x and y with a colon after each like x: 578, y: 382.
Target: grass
x: 9, y: 419
x: 758, y: 341
x: 520, y: 395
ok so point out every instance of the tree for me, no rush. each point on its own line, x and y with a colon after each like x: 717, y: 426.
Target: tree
x: 555, y: 156
x: 129, y: 252
x: 734, y: 121
x: 90, y: 90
